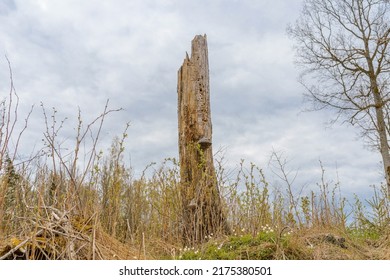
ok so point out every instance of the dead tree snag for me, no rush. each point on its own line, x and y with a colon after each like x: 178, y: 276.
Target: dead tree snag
x: 202, y: 207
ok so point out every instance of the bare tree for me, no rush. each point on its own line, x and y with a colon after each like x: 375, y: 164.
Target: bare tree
x: 343, y: 47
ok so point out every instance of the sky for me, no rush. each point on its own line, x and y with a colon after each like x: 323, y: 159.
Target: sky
x: 75, y: 55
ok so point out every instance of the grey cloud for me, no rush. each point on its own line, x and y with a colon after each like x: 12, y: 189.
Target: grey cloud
x: 7, y: 7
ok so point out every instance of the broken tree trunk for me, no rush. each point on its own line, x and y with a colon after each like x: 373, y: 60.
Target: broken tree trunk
x: 202, y: 207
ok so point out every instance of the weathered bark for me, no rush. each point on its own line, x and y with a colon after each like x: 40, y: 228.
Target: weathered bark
x: 202, y: 207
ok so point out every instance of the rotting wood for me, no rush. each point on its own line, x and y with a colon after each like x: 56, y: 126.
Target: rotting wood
x: 202, y: 207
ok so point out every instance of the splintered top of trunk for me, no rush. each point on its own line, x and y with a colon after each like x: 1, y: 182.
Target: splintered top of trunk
x: 199, y: 54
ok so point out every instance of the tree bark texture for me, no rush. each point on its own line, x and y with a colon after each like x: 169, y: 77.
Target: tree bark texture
x: 202, y: 207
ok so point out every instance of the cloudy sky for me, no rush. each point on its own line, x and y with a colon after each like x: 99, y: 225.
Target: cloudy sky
x: 72, y: 54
